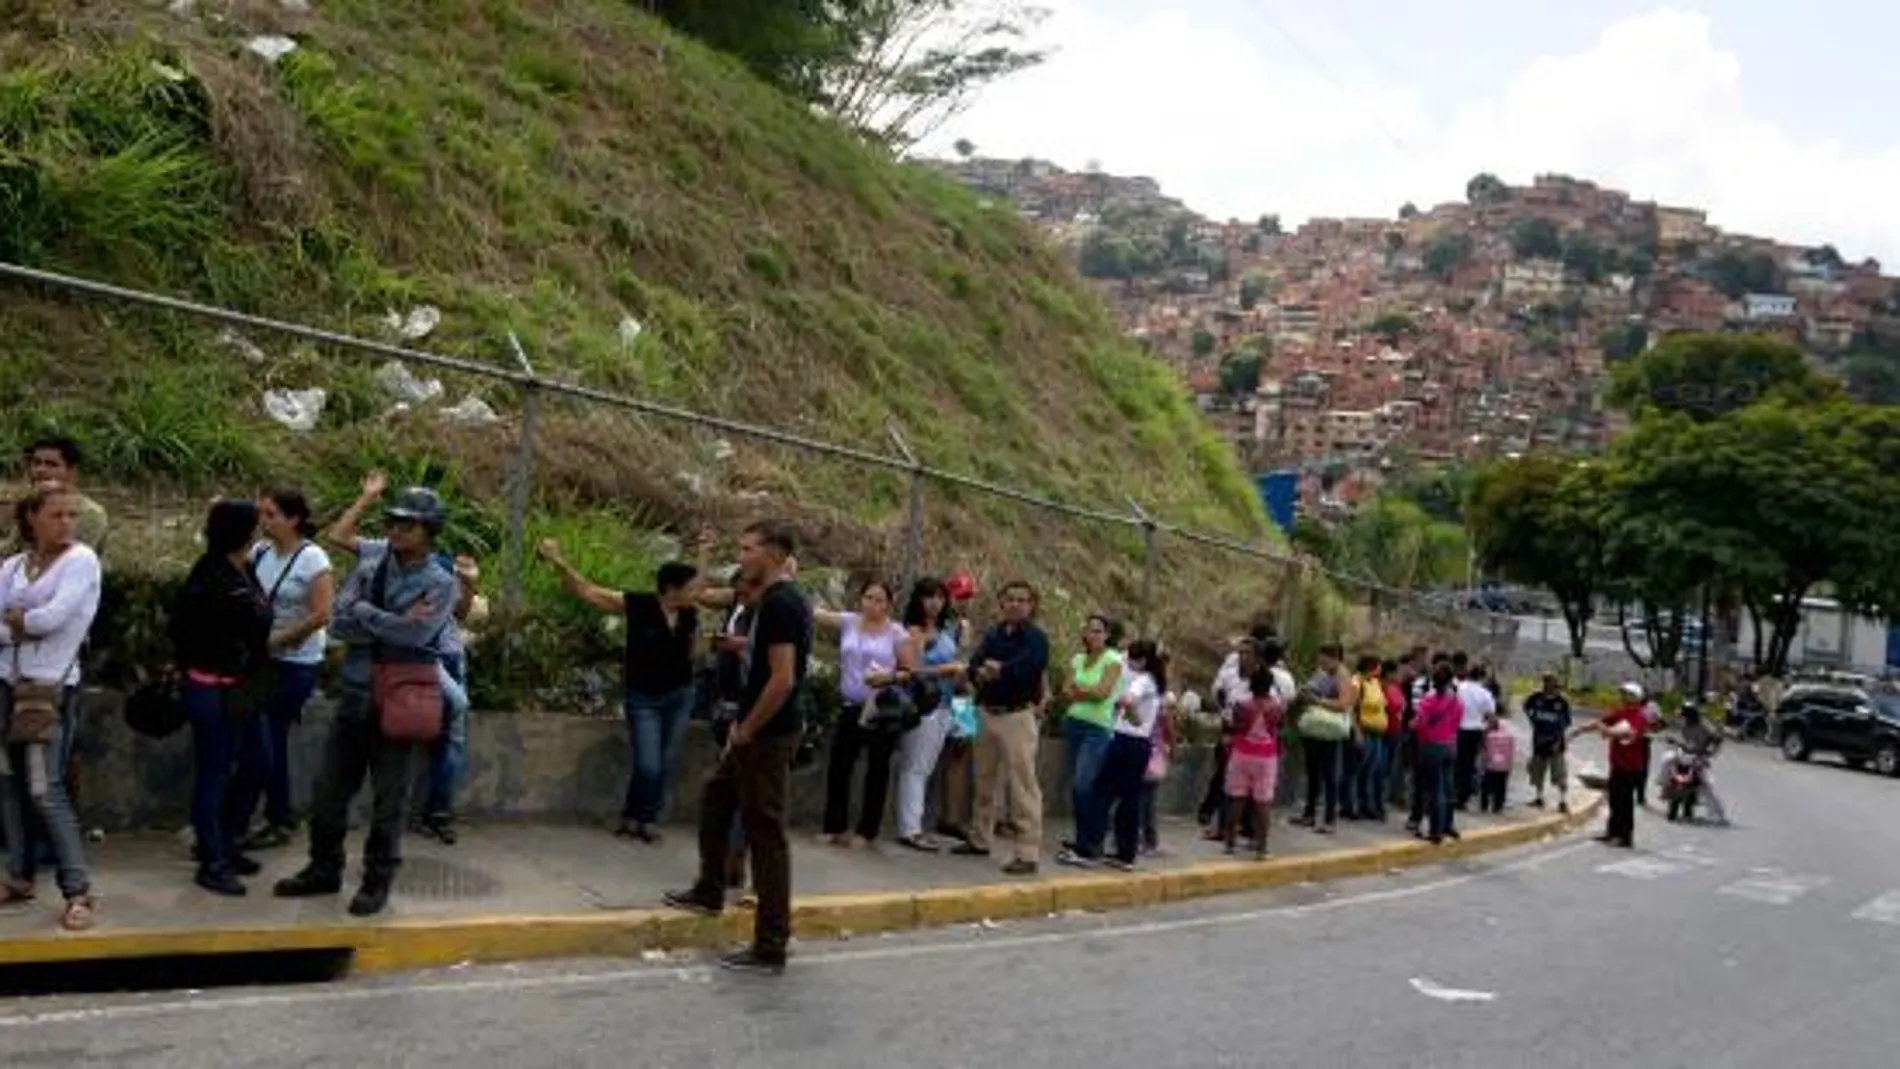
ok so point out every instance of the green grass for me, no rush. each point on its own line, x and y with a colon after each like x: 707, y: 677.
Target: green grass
x: 549, y: 168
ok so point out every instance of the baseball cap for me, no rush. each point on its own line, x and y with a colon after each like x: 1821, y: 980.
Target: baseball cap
x: 1634, y: 690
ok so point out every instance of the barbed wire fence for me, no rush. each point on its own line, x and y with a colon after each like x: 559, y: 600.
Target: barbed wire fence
x: 582, y: 428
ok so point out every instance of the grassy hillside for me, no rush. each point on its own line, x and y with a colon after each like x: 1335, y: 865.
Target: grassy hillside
x: 552, y: 167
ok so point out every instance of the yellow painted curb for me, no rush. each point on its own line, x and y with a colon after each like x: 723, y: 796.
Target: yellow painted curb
x: 405, y: 945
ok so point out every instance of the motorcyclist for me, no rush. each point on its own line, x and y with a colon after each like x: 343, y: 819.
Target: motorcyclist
x: 1698, y: 744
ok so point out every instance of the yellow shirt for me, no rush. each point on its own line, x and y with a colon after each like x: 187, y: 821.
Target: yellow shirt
x: 1372, y: 713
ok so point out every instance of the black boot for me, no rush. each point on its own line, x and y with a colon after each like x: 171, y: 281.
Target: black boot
x: 309, y: 883
x: 371, y: 898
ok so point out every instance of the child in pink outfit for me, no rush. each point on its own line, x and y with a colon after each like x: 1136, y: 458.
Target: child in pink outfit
x: 1253, y: 764
x: 1500, y: 752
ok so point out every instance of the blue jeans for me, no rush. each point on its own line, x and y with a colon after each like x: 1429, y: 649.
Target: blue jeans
x: 450, y: 754
x: 655, y: 725
x: 263, y: 758
x: 1370, y: 783
x: 216, y: 732
x: 54, y: 810
x: 1086, y: 746
x: 1435, y: 773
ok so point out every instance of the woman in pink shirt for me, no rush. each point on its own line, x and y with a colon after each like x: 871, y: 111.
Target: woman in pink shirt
x: 1437, y: 729
x: 1253, y: 761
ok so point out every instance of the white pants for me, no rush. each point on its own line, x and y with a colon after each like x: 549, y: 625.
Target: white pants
x: 916, y: 759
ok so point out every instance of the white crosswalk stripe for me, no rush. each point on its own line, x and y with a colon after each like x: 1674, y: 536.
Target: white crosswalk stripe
x: 1882, y: 910
x: 1774, y: 888
x: 1644, y: 868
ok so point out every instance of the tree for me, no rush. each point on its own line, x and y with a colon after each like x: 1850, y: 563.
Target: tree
x: 1772, y: 498
x: 1707, y: 376
x: 1392, y: 326
x: 1269, y: 225
x: 789, y: 43
x: 1872, y: 378
x: 1253, y: 286
x: 1621, y: 343
x: 1487, y: 188
x: 1203, y: 344
x: 1394, y: 242
x: 1440, y: 491
x: 912, y: 65
x: 1408, y: 210
x: 1543, y: 520
x: 1825, y: 256
x: 1588, y: 260
x: 1737, y: 275
x: 1240, y: 374
x: 1536, y: 238
x: 1105, y: 255
x: 964, y: 147
x: 1446, y: 253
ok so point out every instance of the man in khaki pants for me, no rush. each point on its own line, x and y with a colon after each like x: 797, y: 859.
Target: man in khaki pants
x: 1011, y: 668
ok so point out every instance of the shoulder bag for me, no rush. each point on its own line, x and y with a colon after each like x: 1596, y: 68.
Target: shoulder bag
x: 407, y: 695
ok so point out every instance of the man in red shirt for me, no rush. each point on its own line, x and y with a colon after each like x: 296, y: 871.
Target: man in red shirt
x: 1625, y: 727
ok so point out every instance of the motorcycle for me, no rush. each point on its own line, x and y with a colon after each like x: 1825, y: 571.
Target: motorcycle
x: 1748, y: 718
x: 1684, y: 782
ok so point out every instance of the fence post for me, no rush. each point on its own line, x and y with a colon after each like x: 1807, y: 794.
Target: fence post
x: 520, y: 488
x: 913, y: 516
x: 1150, y: 536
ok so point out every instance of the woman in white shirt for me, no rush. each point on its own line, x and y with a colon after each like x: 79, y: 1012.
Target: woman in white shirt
x: 48, y: 597
x: 295, y: 575
x: 1125, y: 766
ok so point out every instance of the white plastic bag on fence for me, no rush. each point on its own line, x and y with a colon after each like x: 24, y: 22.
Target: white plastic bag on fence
x: 400, y: 383
x: 297, y: 409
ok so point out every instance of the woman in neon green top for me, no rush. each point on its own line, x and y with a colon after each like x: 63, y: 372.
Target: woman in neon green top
x: 1087, y: 729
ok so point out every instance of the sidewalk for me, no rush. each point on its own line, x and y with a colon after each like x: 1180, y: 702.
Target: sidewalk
x: 510, y: 892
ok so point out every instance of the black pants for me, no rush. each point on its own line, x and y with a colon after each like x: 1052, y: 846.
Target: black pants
x: 1491, y: 793
x: 1470, y: 745
x: 753, y: 783
x: 1214, y: 802
x: 1322, y: 778
x: 1642, y: 781
x: 847, y: 743
x: 354, y: 749
x: 1118, y: 790
x: 1350, y: 758
x: 1623, y: 788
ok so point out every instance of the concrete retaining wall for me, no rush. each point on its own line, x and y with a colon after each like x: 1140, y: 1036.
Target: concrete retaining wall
x: 520, y: 766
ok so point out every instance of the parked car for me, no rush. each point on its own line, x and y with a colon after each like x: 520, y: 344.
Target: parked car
x: 1860, y: 721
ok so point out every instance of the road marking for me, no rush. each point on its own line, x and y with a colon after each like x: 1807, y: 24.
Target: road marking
x: 1450, y: 994
x: 1688, y: 854
x: 378, y: 991
x: 1643, y: 868
x: 1882, y: 910
x: 1776, y: 889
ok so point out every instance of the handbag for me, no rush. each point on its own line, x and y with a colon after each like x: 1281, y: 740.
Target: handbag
x: 407, y: 695
x: 891, y: 711
x: 34, y: 718
x: 1324, y: 725
x: 156, y: 709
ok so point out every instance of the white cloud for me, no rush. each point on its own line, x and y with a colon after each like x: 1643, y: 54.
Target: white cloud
x: 1221, y: 116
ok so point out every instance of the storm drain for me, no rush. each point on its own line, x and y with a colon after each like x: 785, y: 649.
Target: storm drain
x: 171, y: 972
x: 441, y: 880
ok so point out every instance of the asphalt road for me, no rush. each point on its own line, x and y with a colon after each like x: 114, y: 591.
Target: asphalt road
x: 1770, y: 944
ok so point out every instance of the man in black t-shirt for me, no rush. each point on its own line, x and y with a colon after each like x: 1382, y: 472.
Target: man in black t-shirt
x: 1549, y: 714
x: 754, y: 774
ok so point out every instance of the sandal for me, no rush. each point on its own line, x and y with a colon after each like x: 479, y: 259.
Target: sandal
x: 81, y: 913
x: 14, y: 893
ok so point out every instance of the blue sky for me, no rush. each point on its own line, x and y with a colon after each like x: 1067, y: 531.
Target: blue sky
x: 1775, y: 117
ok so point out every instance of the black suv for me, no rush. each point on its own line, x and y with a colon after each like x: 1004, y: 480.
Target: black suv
x: 1858, y: 720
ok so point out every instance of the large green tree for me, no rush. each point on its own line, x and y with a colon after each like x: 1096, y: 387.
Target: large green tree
x: 1709, y: 376
x: 1543, y: 520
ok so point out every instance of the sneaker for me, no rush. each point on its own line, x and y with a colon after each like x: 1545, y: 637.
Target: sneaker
x: 691, y: 901
x: 1020, y: 867
x: 309, y: 883
x: 1564, y: 808
x: 1537, y: 803
x: 245, y: 866
x: 752, y: 961
x: 1118, y: 864
x: 917, y: 843
x: 440, y: 828
x: 220, y: 882
x: 370, y: 899
x: 967, y: 850
x: 1074, y: 859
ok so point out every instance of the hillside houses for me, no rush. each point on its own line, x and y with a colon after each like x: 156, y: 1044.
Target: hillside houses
x: 1467, y: 330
